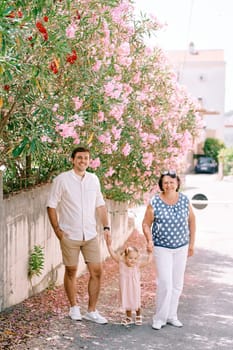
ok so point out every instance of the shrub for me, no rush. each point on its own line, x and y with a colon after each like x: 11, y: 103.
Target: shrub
x: 226, y: 158
x: 212, y: 147
x: 79, y: 73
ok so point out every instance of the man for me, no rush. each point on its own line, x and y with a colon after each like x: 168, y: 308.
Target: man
x: 73, y: 203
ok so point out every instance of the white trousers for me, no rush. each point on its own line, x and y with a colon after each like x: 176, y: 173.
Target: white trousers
x: 170, y: 268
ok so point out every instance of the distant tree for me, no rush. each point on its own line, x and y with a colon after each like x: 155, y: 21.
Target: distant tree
x: 212, y: 147
x: 226, y: 158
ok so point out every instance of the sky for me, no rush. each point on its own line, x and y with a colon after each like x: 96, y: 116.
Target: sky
x: 206, y: 23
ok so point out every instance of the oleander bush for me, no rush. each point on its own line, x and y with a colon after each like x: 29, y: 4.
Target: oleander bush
x: 79, y: 73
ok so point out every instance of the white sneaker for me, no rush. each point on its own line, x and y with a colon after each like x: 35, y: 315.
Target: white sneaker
x: 94, y: 316
x: 157, y: 325
x: 174, y: 322
x: 75, y: 313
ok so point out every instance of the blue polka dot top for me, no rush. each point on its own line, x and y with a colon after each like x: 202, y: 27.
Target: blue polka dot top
x: 170, y: 228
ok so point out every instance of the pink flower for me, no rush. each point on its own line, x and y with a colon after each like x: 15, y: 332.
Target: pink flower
x: 117, y: 15
x: 128, y: 90
x: 113, y: 89
x: 136, y: 78
x: 106, y: 32
x: 78, y: 102
x: 45, y: 139
x: 95, y: 163
x: 59, y: 117
x: 77, y: 140
x: 97, y: 66
x: 108, y: 186
x: 110, y: 172
x: 148, y: 51
x: 109, y: 88
x: 78, y: 120
x: 157, y: 122
x: 66, y: 130
x: 144, y: 136
x: 114, y: 146
x: 116, y: 132
x: 186, y: 140
x: 71, y: 30
x: 147, y: 159
x: 126, y: 149
x: 105, y: 138
x: 55, y: 107
x: 117, y: 68
x: 124, y: 49
x: 117, y: 112
x: 125, y: 61
x: 152, y: 138
x: 100, y: 116
x: 141, y: 96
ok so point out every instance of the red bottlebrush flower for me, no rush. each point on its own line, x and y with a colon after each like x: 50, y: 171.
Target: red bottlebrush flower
x: 72, y: 57
x: 20, y: 14
x: 45, y: 18
x: 6, y: 87
x: 40, y: 27
x: 29, y: 38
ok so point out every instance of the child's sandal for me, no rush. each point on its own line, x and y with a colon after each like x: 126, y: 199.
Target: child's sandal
x: 127, y: 321
x: 138, y: 320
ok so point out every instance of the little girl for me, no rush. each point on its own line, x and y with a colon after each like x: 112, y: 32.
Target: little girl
x: 130, y: 263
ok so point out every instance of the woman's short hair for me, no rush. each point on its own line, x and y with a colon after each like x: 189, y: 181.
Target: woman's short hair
x: 173, y: 175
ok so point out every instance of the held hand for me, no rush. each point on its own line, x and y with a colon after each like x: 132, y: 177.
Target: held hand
x: 149, y: 246
x: 109, y: 241
x: 190, y: 251
x: 108, y: 237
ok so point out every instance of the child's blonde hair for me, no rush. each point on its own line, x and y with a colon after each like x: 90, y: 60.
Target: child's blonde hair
x: 130, y: 249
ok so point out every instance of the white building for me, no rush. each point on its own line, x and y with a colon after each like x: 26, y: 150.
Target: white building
x: 228, y: 129
x: 203, y: 74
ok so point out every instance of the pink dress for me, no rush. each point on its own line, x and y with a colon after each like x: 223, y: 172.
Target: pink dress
x: 130, y: 288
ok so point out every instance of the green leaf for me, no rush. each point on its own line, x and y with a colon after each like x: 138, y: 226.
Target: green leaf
x: 7, y: 11
x: 20, y: 148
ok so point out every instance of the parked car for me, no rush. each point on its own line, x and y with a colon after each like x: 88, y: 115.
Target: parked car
x: 206, y: 165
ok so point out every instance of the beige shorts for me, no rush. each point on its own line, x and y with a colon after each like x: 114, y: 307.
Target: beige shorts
x: 71, y: 248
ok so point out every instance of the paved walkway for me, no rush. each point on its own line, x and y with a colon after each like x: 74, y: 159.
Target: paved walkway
x: 206, y: 309
x: 206, y: 305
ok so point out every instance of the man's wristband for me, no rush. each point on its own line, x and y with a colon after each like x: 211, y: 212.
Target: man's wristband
x: 106, y: 228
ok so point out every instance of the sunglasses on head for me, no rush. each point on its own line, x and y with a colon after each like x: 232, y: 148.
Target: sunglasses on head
x: 169, y: 173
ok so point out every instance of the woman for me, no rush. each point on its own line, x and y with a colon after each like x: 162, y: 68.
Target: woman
x: 169, y: 226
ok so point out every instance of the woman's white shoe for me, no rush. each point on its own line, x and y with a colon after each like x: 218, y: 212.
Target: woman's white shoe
x: 175, y: 323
